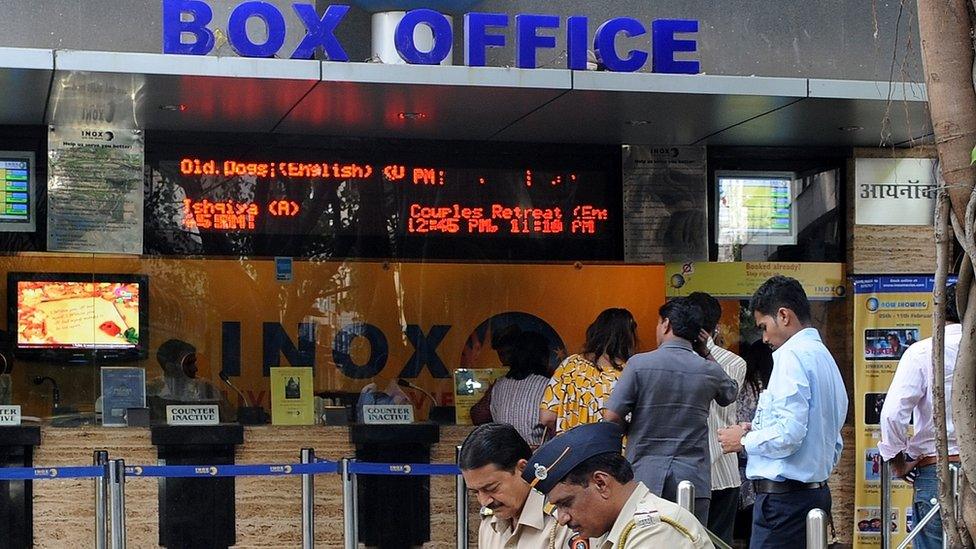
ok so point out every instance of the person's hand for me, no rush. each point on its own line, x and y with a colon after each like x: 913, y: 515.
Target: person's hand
x: 703, y: 336
x: 731, y: 438
x: 745, y: 426
x: 901, y: 466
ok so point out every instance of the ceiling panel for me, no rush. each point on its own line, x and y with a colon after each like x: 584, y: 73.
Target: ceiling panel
x: 182, y: 93
x: 25, y: 77
x: 422, y: 102
x: 841, y: 113
x: 653, y: 108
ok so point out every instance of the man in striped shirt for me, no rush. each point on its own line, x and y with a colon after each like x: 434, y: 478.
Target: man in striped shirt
x: 725, y: 467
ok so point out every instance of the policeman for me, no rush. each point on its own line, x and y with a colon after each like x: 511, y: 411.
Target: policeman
x: 592, y: 487
x: 492, y: 460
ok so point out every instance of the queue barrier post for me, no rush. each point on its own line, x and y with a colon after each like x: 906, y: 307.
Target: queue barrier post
x: 816, y: 529
x: 308, y: 501
x: 462, y: 505
x: 349, y: 505
x: 116, y: 481
x: 885, y: 504
x: 100, y: 459
x: 686, y: 495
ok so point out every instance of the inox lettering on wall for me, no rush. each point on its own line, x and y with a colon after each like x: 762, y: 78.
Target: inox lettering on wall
x: 276, y: 344
x: 187, y: 29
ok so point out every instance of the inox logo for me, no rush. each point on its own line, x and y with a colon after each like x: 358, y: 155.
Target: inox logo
x: 99, y: 135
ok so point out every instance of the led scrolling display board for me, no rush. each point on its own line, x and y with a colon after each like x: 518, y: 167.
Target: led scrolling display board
x: 339, y: 206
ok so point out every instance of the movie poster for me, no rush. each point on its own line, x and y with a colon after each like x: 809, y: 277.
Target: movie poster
x: 292, y: 396
x: 890, y: 313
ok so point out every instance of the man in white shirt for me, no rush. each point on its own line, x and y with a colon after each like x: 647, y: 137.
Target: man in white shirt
x: 911, y: 393
x: 725, y: 467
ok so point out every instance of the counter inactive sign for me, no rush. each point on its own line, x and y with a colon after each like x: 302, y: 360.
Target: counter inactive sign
x: 193, y: 414
x: 95, y: 190
x: 10, y: 415
x: 388, y: 414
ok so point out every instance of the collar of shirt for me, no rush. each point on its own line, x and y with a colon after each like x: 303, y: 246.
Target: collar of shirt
x: 533, y: 514
x: 804, y: 335
x: 677, y: 343
x: 624, y: 517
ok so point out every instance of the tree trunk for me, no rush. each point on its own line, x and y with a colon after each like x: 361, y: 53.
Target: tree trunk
x: 946, y: 500
x: 947, y: 55
x: 964, y: 396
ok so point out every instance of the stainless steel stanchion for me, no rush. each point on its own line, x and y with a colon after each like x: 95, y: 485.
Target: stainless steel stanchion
x: 816, y: 529
x: 885, y: 505
x: 686, y: 495
x: 308, y: 502
x: 100, y: 459
x: 462, y: 506
x: 349, y: 505
x: 116, y: 482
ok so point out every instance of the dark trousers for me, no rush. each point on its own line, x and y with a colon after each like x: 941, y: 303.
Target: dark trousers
x: 721, y: 513
x: 779, y: 520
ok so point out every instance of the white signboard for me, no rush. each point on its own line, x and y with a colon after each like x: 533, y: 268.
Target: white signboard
x: 665, y: 204
x: 95, y: 190
x: 10, y: 415
x: 192, y: 414
x: 894, y: 191
x: 387, y: 414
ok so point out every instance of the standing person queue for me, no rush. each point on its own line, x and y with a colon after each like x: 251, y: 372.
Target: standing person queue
x: 660, y: 406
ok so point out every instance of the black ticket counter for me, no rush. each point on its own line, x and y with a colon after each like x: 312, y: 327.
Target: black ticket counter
x: 197, y: 513
x: 16, y: 496
x: 394, y: 512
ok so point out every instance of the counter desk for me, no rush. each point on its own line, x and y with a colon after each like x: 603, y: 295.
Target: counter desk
x: 267, y: 509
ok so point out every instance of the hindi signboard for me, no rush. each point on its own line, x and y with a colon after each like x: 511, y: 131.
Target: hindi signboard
x: 894, y: 191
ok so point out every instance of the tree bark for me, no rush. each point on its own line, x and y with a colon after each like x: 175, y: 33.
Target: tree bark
x: 964, y: 396
x: 946, y: 500
x: 947, y: 55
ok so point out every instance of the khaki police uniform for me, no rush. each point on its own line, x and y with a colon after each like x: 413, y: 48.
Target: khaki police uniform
x: 536, y: 529
x: 647, y: 521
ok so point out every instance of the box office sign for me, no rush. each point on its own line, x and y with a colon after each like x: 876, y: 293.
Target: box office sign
x: 195, y: 414
x: 387, y: 415
x: 188, y: 28
x: 894, y: 191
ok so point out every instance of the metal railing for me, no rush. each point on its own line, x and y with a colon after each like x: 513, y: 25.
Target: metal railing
x: 886, y: 484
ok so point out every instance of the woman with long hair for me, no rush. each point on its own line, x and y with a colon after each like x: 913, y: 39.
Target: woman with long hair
x: 582, y: 383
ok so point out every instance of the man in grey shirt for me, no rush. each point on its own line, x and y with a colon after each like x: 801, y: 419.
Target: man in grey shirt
x: 669, y: 391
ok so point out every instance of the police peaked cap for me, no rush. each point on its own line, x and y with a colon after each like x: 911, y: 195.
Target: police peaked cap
x: 555, y: 459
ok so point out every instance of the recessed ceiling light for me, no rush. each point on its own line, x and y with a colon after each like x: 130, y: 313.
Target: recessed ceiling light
x: 174, y: 108
x: 412, y: 116
x: 851, y: 128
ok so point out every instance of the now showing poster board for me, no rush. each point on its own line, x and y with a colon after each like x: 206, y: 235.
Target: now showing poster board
x: 890, y: 314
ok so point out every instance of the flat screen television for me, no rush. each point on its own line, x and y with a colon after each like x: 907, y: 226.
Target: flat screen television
x: 78, y: 317
x: 756, y: 208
